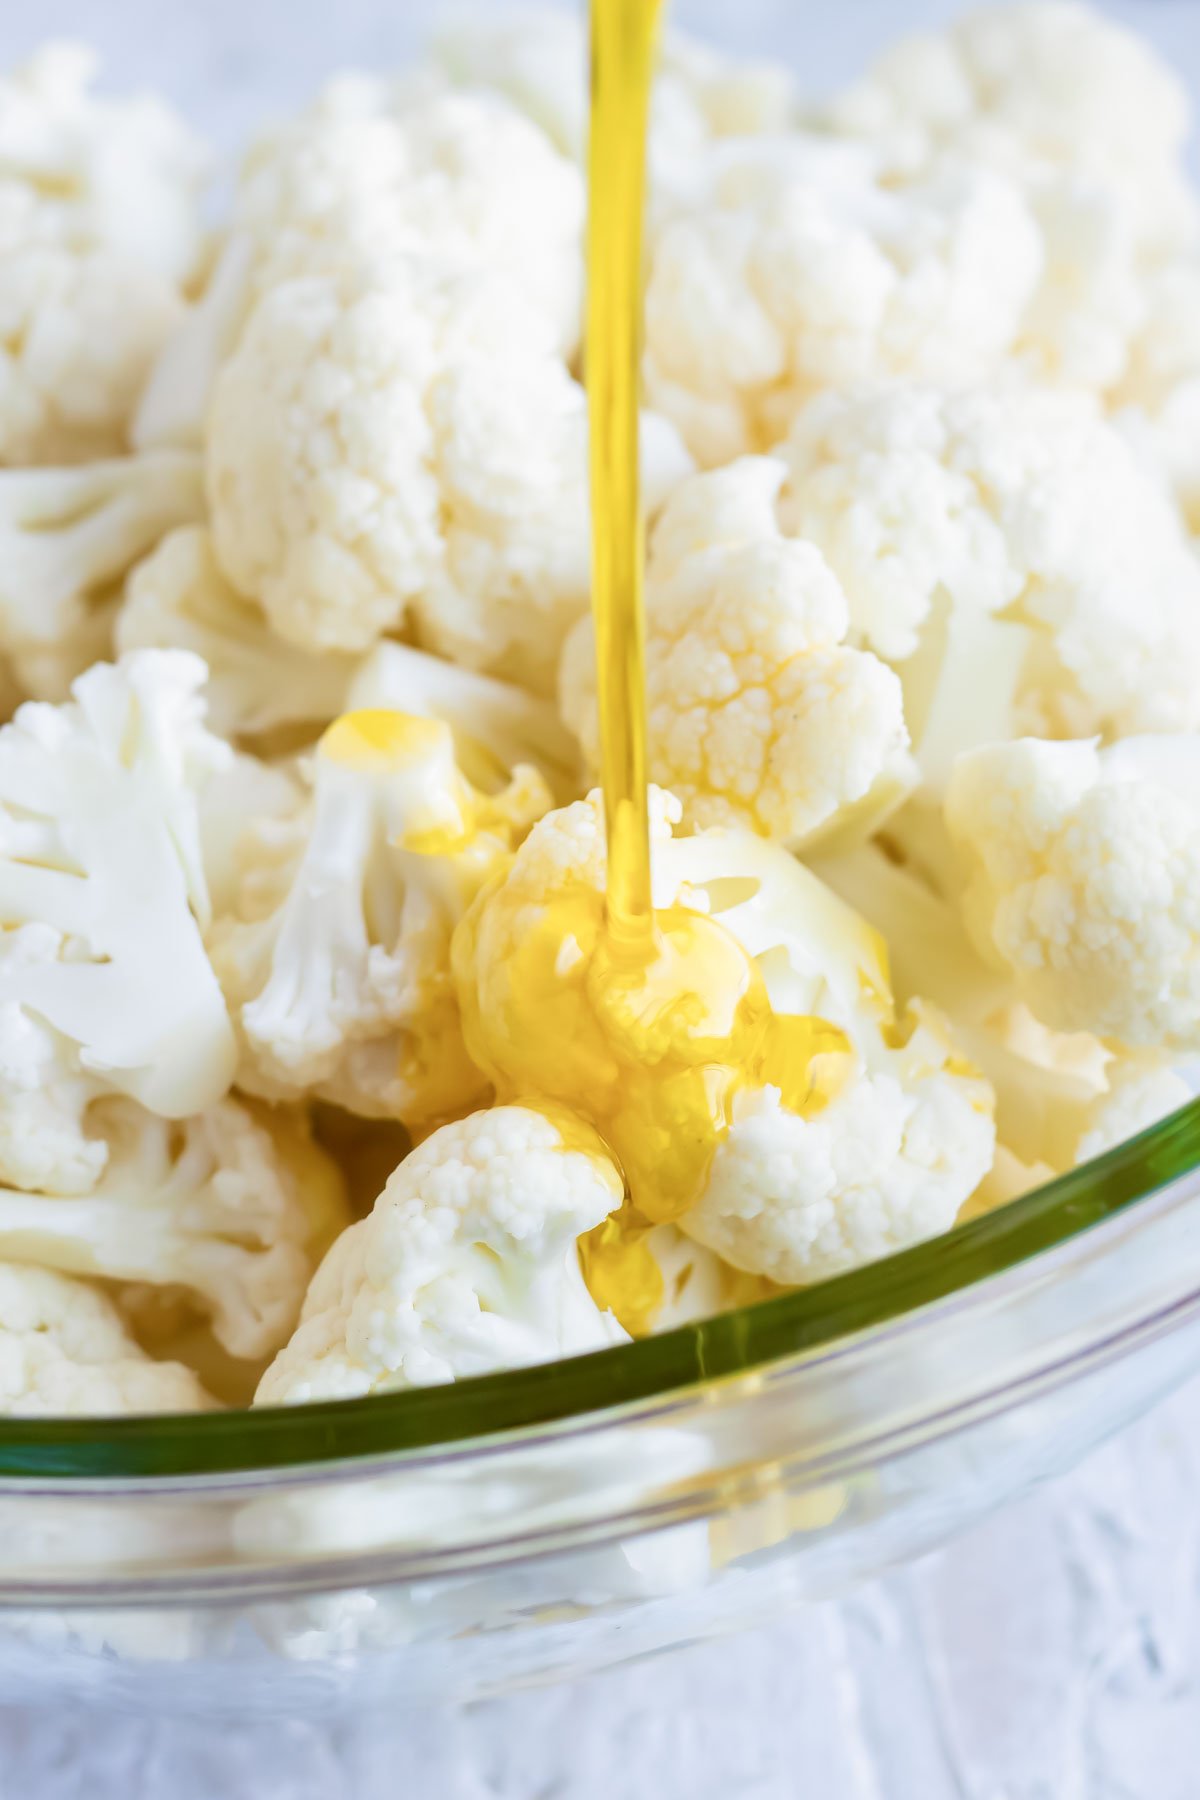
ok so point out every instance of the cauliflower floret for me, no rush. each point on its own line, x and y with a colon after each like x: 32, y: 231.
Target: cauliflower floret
x: 1083, y: 881
x: 800, y: 272
x: 225, y: 1206
x: 492, y: 721
x: 767, y: 998
x: 378, y: 169
x: 375, y: 169
x: 1037, y: 90
x: 1025, y: 506
x: 757, y: 713
x: 538, y: 58
x: 1060, y: 1097
x: 99, y: 229
x: 178, y: 598
x: 408, y: 445
x: 1160, y: 397
x: 338, y: 970
x: 1088, y: 124
x: 67, y: 538
x: 104, y: 982
x: 1138, y: 1096
x: 468, y: 1263
x: 65, y: 1352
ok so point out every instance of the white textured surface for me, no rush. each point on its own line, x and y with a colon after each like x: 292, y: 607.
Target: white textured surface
x: 1052, y: 1655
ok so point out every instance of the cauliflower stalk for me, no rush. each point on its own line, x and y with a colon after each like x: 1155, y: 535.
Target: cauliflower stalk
x: 338, y: 970
x: 752, y: 1078
x: 758, y: 713
x: 467, y: 1263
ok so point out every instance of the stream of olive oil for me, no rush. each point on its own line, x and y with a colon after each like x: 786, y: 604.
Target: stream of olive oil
x: 624, y: 36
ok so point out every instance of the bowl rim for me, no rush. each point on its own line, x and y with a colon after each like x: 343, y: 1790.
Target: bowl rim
x: 531, y: 1402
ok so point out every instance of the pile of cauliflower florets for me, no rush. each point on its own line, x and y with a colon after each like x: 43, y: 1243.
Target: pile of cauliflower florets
x: 300, y: 689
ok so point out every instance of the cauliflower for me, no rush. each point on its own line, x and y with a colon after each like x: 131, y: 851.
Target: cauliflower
x: 178, y: 598
x: 99, y: 230
x: 227, y: 1206
x: 800, y: 272
x: 1083, y: 881
x: 1020, y: 506
x: 538, y: 58
x: 378, y: 169
x: 1089, y: 126
x: 1039, y: 91
x: 407, y: 445
x: 1061, y: 1098
x: 753, y: 1082
x: 466, y: 1264
x: 67, y: 538
x: 338, y: 969
x: 757, y: 712
x: 1159, y: 399
x: 493, y: 721
x: 105, y: 987
x: 65, y: 1352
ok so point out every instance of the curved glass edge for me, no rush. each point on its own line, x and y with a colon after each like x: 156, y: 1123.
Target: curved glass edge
x: 748, y: 1339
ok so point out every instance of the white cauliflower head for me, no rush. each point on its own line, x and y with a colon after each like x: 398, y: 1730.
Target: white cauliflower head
x: 338, y: 971
x: 99, y: 228
x: 800, y: 271
x: 902, y: 1133
x: 467, y: 1263
x: 1085, y: 120
x: 65, y: 1353
x: 407, y: 450
x: 407, y: 446
x: 878, y: 1132
x: 1083, y: 881
x: 232, y: 1207
x: 1022, y: 506
x: 1038, y: 90
x: 379, y: 169
x: 105, y: 986
x: 179, y: 599
x: 757, y: 712
x: 67, y: 539
x: 376, y: 168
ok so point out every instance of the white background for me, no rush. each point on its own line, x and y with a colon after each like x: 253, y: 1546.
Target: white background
x: 1052, y: 1655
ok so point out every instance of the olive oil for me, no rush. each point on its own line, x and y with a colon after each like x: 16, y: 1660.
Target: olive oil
x: 623, y: 42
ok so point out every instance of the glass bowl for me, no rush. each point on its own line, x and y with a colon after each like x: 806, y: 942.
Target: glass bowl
x: 450, y: 1543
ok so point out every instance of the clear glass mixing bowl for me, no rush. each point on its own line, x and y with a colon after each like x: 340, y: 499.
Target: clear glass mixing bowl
x: 452, y: 1542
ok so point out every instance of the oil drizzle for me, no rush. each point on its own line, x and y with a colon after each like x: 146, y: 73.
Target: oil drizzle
x: 624, y: 36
